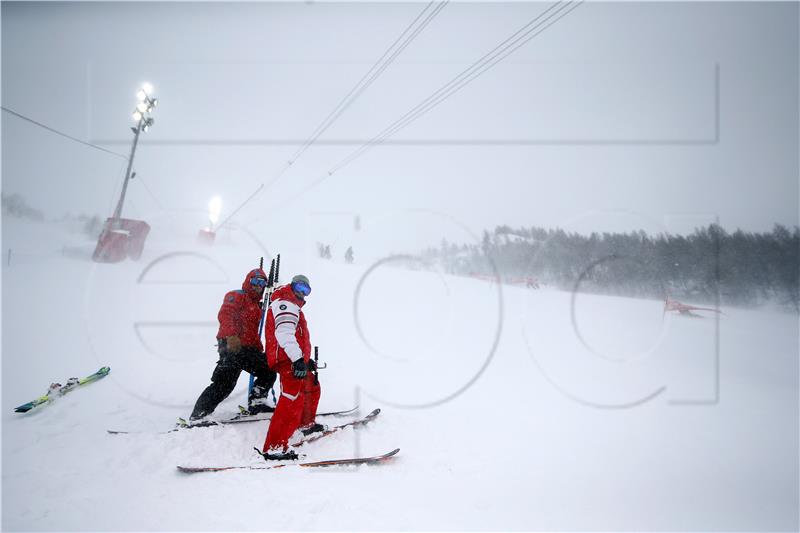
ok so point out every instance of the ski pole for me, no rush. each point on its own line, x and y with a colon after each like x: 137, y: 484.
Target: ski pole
x: 268, y: 290
x: 316, y: 362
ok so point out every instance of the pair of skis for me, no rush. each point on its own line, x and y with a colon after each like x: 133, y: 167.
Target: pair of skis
x: 330, y: 462
x: 238, y: 419
x: 330, y: 431
x: 272, y: 281
x: 57, y: 390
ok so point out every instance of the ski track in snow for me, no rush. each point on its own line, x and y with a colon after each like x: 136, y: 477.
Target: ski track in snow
x: 511, y: 452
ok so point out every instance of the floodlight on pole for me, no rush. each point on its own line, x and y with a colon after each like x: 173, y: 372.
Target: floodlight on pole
x: 143, y: 123
x: 123, y: 237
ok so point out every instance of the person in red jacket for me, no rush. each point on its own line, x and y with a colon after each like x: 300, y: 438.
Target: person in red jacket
x: 239, y: 346
x: 289, y: 354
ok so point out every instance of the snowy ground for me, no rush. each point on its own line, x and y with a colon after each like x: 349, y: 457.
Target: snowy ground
x: 514, y: 409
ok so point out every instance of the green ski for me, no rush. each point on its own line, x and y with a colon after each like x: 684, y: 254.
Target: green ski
x: 57, y: 390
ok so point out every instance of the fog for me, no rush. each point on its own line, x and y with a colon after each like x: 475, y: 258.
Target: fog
x: 573, y: 292
x: 675, y: 114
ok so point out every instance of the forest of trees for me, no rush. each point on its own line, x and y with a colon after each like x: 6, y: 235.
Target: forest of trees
x: 742, y: 268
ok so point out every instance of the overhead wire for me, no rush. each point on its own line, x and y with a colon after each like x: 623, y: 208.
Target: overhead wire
x: 408, y: 35
x: 371, y: 75
x: 534, y: 27
x: 61, y: 133
x: 70, y: 137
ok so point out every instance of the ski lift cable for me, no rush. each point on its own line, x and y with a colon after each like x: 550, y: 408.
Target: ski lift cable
x: 436, y: 99
x: 397, y: 52
x: 456, y: 80
x: 384, y: 66
x: 53, y: 130
x: 464, y: 78
x: 371, y: 75
x: 497, y: 54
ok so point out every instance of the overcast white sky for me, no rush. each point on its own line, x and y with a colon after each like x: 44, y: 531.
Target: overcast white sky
x: 671, y: 113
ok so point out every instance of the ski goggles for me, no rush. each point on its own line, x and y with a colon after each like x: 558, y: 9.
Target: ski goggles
x: 302, y: 288
x: 258, y: 282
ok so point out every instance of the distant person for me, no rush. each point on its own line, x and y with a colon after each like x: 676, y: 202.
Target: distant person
x: 239, y: 347
x: 289, y: 354
x: 348, y: 255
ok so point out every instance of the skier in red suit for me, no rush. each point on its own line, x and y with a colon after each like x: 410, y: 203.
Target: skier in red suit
x: 289, y: 354
x: 239, y: 347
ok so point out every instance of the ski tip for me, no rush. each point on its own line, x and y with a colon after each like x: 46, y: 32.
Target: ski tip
x: 375, y: 459
x: 25, y: 407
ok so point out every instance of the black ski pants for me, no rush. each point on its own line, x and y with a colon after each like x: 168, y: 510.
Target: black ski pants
x: 226, y: 374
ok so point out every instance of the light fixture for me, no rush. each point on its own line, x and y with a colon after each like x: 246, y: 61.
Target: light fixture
x: 143, y: 123
x: 214, y: 209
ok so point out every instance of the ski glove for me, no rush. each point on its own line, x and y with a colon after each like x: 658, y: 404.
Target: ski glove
x: 312, y: 365
x: 300, y: 369
x: 233, y: 343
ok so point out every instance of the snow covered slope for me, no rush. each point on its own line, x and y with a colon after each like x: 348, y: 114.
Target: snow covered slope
x: 514, y: 409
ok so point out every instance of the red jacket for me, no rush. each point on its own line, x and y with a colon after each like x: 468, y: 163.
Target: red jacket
x: 286, y: 331
x: 240, y: 313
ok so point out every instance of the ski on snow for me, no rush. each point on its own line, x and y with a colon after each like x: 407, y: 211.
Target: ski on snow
x: 57, y: 390
x: 330, y: 431
x: 238, y: 419
x: 245, y: 416
x: 330, y: 462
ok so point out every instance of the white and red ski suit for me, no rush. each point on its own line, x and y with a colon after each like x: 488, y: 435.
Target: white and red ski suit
x: 287, y: 340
